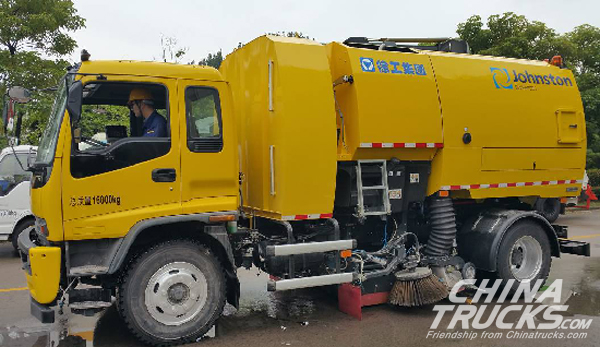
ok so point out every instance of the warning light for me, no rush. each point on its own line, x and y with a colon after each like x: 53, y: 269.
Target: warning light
x: 557, y: 61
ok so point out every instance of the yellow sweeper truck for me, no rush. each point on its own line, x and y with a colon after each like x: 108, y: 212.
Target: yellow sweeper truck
x: 389, y: 170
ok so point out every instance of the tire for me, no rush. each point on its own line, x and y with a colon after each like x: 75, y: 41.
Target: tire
x: 157, y: 291
x: 548, y: 208
x: 19, y: 229
x: 524, y: 254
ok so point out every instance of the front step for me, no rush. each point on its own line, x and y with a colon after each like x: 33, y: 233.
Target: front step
x: 313, y: 281
x: 89, y: 301
x: 310, y: 247
x: 88, y: 305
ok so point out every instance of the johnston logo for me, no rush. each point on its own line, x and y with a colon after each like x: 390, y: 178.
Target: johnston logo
x: 503, y: 79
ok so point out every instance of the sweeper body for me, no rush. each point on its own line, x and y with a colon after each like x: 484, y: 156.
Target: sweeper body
x: 390, y: 171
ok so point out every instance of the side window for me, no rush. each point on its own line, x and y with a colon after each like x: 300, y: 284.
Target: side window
x: 203, y: 115
x: 122, y: 124
x: 11, y: 173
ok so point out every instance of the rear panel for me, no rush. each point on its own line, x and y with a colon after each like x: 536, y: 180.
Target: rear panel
x: 525, y: 123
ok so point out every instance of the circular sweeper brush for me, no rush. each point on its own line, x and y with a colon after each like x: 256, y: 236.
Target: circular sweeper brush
x: 417, y: 287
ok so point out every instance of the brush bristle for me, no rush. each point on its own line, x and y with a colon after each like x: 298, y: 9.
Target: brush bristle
x: 419, y: 292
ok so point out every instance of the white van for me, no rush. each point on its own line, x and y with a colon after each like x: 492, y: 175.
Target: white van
x: 15, y: 201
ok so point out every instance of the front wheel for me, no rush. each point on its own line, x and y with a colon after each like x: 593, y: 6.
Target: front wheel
x: 524, y: 254
x: 22, y: 226
x: 173, y: 293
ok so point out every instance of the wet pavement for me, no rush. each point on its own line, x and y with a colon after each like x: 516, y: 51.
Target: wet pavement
x: 309, y: 317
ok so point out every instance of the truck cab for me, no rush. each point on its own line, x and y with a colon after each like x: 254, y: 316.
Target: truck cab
x: 15, y: 211
x: 101, y: 190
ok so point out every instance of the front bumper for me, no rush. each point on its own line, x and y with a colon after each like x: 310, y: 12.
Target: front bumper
x: 42, y: 269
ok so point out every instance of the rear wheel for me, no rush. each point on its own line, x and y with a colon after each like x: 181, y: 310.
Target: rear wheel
x: 548, y: 208
x: 173, y: 293
x: 524, y: 254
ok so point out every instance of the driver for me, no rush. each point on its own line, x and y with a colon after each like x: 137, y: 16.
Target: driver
x: 141, y: 103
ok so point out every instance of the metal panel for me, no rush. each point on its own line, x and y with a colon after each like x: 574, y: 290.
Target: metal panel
x: 295, y: 115
x: 310, y: 247
x: 307, y: 282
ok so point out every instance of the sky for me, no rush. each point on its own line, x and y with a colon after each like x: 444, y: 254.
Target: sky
x: 132, y: 29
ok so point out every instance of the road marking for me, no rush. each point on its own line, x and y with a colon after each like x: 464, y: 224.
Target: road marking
x: 591, y: 236
x: 12, y: 289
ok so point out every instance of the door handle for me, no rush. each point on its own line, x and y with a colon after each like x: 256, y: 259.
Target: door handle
x: 164, y: 175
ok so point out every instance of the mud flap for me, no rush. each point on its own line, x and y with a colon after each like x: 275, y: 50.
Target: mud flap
x: 351, y: 300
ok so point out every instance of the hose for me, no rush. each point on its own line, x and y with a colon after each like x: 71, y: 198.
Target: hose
x: 442, y: 219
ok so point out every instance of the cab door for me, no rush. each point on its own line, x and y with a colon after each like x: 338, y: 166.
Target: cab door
x: 107, y: 191
x: 209, y: 168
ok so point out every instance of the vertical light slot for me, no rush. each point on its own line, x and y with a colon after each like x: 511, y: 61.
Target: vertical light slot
x: 270, y: 85
x: 272, y: 157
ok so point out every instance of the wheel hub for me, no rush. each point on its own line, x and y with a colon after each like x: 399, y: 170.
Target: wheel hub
x: 517, y: 257
x: 526, y: 258
x: 176, y: 293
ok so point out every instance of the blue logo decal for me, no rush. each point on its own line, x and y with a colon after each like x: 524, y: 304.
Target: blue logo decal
x: 367, y: 64
x: 524, y: 80
x: 394, y: 67
x: 501, y: 78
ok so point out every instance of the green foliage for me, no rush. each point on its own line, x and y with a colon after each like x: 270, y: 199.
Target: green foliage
x: 40, y: 25
x: 594, y: 176
x: 213, y: 60
x: 95, y: 118
x: 512, y: 35
x: 30, y: 29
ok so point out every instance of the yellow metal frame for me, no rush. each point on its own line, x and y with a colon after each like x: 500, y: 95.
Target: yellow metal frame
x: 45, y: 273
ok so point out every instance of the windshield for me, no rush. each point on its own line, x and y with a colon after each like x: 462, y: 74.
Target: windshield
x: 47, y: 146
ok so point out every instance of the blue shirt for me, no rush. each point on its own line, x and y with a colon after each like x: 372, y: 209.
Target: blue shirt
x: 154, y: 126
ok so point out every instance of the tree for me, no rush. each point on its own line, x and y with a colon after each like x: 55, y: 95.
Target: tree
x: 586, y: 64
x: 512, y: 35
x: 213, y: 60
x: 40, y: 25
x: 297, y: 34
x: 170, y: 51
x: 30, y: 29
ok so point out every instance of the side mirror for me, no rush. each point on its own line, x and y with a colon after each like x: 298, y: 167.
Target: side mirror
x: 77, y: 135
x: 31, y: 155
x: 19, y: 94
x: 75, y: 101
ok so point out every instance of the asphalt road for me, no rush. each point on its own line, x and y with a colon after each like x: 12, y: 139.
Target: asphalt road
x: 310, y: 317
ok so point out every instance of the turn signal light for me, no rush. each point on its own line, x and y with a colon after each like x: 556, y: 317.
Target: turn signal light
x: 444, y: 193
x: 346, y: 253
x: 563, y: 200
